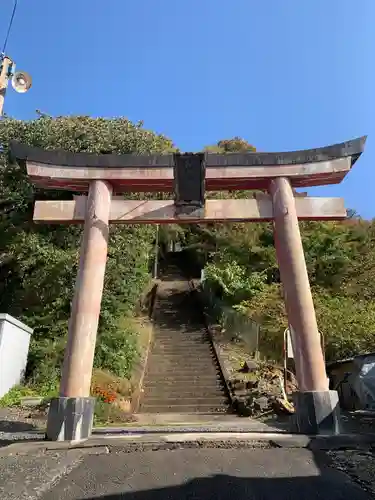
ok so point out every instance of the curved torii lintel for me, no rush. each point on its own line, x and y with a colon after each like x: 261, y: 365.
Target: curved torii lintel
x: 154, y: 172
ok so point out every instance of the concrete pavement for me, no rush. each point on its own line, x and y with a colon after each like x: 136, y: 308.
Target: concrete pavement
x: 220, y: 471
x: 28, y: 477
x: 220, y: 474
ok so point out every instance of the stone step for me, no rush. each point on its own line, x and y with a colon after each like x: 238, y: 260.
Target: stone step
x: 181, y: 336
x: 207, y: 365
x: 153, y: 384
x: 181, y: 384
x: 182, y: 353
x: 175, y: 390
x: 176, y: 351
x: 187, y: 362
x: 204, y: 351
x: 199, y: 389
x: 166, y: 401
x: 201, y: 340
x: 196, y: 370
x: 183, y: 375
x: 202, y: 409
x: 182, y: 344
x: 182, y: 349
x: 212, y: 381
x: 183, y: 331
x: 196, y: 360
x: 204, y: 365
x: 188, y: 377
x: 187, y: 392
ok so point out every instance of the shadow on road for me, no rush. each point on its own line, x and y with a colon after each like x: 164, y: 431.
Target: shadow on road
x: 330, y: 486
x: 14, y: 427
x: 11, y: 428
x: 279, y: 474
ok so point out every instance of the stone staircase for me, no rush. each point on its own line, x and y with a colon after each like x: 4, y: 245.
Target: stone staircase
x: 182, y: 375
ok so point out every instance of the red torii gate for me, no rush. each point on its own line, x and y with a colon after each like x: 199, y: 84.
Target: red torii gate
x: 189, y: 176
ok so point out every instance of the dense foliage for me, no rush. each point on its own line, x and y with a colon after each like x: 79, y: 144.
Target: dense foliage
x: 241, y: 269
x: 38, y: 263
x: 341, y: 262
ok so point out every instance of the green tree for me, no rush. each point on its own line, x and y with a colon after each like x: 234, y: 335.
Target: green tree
x: 38, y: 263
x: 241, y: 266
x: 234, y: 145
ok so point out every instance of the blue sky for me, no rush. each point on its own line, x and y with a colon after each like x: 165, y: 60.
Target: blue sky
x: 283, y: 74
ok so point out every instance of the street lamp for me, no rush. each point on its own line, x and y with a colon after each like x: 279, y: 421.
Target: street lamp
x: 21, y: 81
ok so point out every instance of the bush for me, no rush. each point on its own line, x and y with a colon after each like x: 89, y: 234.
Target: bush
x: 240, y: 264
x: 341, y: 264
x: 117, y: 351
x: 109, y: 413
x: 233, y: 281
x: 348, y: 325
x: 15, y: 395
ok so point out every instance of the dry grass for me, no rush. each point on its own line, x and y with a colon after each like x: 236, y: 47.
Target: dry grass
x: 104, y: 380
x: 143, y: 327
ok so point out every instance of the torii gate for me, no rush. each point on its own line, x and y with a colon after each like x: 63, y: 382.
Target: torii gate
x: 189, y: 176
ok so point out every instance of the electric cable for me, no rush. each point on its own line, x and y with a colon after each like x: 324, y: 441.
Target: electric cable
x: 9, y: 27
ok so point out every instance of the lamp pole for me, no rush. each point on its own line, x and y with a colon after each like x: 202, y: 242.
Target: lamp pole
x: 156, y: 252
x: 6, y: 65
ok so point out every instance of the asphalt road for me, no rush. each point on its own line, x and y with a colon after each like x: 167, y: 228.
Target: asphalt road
x: 213, y: 473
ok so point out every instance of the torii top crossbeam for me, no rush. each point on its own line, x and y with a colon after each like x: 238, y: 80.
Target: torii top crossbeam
x: 188, y: 175
x: 232, y: 171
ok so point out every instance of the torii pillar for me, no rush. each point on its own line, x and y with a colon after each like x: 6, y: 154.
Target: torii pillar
x: 189, y: 176
x: 317, y: 408
x: 71, y: 415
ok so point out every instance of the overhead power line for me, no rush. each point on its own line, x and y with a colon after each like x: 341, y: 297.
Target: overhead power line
x: 10, y: 26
